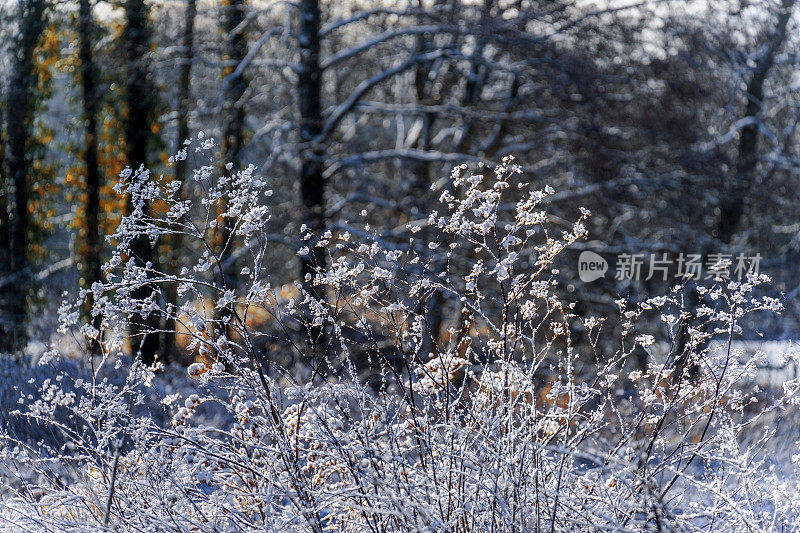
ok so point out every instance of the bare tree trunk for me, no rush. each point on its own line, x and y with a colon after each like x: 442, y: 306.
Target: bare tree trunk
x: 93, y: 258
x: 184, y: 84
x: 734, y: 198
x: 312, y: 154
x: 144, y: 336
x: 234, y: 90
x: 184, y: 95
x: 5, y: 242
x: 432, y: 309
x: 476, y: 78
x: 20, y: 110
x: 312, y: 186
x: 422, y: 169
x: 500, y: 129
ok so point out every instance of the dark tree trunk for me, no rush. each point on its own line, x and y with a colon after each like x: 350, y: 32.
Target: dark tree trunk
x: 422, y: 168
x: 137, y: 42
x: 732, y: 202
x: 432, y: 309
x: 236, y: 48
x: 144, y: 335
x: 20, y: 116
x: 184, y: 84
x: 500, y: 129
x: 234, y: 91
x: 476, y: 78
x: 93, y: 258
x: 734, y: 197
x: 184, y: 96
x: 312, y: 186
x: 5, y: 243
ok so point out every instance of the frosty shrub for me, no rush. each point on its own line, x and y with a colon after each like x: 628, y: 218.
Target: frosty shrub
x: 350, y: 412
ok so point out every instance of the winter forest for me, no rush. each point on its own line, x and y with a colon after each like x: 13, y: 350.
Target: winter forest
x: 399, y: 266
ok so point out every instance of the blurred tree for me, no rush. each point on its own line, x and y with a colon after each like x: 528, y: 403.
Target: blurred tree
x: 140, y: 110
x: 632, y: 110
x: 184, y: 99
x: 184, y: 83
x: 100, y: 145
x: 20, y: 107
x: 6, y: 324
x: 91, y: 103
x: 736, y: 189
x: 234, y: 85
x: 309, y: 92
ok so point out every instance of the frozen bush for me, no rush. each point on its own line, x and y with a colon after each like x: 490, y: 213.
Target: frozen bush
x: 500, y: 424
